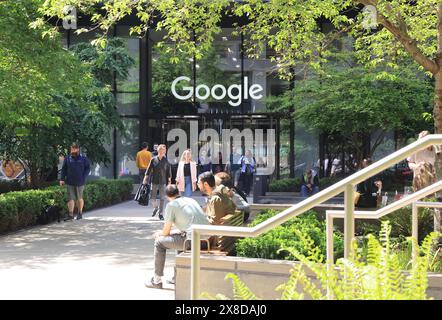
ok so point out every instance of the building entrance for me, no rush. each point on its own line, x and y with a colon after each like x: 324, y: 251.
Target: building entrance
x: 221, y: 137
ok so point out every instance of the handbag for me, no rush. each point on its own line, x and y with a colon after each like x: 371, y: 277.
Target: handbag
x: 143, y: 194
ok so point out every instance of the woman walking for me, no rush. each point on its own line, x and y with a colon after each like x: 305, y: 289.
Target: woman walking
x: 186, y: 177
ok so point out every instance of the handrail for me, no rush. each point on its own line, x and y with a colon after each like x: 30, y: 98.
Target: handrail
x: 321, y: 196
x: 405, y: 201
x: 346, y: 185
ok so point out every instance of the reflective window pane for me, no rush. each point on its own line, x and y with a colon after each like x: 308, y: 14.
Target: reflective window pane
x: 132, y: 43
x: 127, y: 148
x: 218, y: 76
x: 164, y: 72
x: 128, y: 103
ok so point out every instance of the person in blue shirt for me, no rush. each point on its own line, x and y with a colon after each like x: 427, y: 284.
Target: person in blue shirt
x: 247, y: 169
x: 76, y: 168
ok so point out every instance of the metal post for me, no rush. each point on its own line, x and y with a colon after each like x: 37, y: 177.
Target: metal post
x: 414, y: 230
x: 329, y: 243
x: 195, y: 266
x: 349, y: 220
x: 330, y: 250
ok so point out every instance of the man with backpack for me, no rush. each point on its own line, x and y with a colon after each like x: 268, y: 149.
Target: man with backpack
x: 238, y: 197
x: 219, y: 203
x: 76, y: 168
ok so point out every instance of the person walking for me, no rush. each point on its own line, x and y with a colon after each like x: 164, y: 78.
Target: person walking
x: 159, y: 173
x: 186, y: 176
x: 204, y: 162
x: 143, y: 159
x: 155, y: 150
x: 182, y: 213
x: 75, y: 169
x: 248, y: 168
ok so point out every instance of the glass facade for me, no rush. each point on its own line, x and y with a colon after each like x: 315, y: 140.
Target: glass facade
x: 127, y: 148
x: 164, y: 72
x: 223, y: 90
x: 220, y: 71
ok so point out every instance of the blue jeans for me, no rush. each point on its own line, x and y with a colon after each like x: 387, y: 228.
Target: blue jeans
x: 305, y: 191
x: 187, y: 186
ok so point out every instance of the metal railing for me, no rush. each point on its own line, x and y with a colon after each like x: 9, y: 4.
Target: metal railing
x: 346, y: 185
x: 377, y: 214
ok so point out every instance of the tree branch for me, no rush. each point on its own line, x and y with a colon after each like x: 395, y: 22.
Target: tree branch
x: 401, y: 34
x: 410, y: 45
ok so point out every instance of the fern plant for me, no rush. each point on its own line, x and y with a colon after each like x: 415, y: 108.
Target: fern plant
x: 377, y: 277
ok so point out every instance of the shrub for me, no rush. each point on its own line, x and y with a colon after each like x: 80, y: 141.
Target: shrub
x: 400, y: 222
x: 294, y: 184
x: 285, y: 185
x: 378, y: 277
x: 268, y: 245
x: 22, y: 208
x: 10, y: 185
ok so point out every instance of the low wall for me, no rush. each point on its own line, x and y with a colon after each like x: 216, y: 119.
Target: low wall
x: 261, y: 276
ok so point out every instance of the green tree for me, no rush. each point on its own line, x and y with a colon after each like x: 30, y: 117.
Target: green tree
x: 353, y: 103
x: 33, y: 69
x: 91, y: 127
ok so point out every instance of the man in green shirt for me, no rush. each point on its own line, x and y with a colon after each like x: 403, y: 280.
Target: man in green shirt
x: 219, y: 203
x: 181, y: 212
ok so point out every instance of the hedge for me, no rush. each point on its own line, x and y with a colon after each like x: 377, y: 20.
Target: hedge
x: 268, y: 245
x: 22, y: 209
x: 294, y: 184
x: 11, y: 185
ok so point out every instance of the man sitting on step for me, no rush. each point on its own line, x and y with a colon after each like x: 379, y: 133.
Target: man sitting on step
x: 181, y: 212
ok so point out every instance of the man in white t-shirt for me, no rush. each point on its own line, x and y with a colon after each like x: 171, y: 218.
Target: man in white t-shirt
x: 182, y: 213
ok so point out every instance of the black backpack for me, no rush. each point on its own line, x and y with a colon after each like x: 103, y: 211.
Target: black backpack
x: 240, y: 193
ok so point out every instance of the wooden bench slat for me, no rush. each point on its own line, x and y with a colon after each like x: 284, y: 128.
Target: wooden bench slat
x: 224, y: 245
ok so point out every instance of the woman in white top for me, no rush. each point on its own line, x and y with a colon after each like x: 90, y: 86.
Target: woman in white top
x: 186, y: 176
x: 422, y: 164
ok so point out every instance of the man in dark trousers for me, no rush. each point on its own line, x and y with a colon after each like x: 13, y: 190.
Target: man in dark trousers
x: 160, y: 173
x: 75, y: 169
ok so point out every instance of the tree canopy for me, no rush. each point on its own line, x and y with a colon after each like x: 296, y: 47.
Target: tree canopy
x: 51, y: 96
x: 353, y: 102
x: 33, y: 69
x: 392, y: 29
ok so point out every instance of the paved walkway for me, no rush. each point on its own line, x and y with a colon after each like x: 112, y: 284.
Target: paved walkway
x: 107, y: 255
